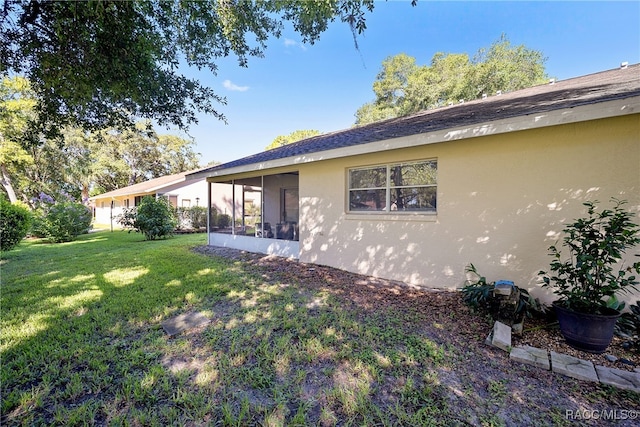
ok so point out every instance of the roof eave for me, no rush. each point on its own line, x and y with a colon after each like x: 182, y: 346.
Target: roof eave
x: 587, y: 112
x: 145, y: 192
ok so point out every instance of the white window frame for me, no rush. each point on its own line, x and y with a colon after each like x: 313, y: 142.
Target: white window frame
x: 388, y: 187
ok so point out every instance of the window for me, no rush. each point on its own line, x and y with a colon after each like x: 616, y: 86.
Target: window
x: 186, y: 203
x: 401, y: 187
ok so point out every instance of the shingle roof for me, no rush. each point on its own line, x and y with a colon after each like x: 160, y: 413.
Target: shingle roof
x: 609, y: 85
x: 145, y: 187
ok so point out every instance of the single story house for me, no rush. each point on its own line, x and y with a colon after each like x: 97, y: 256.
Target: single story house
x: 179, y: 191
x: 417, y: 198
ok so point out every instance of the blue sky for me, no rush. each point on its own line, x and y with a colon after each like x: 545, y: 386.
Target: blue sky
x: 321, y: 86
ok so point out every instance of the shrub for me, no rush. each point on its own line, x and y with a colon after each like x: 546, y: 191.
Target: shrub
x: 224, y: 220
x: 193, y: 217
x: 198, y: 217
x: 213, y: 217
x: 628, y: 327
x: 153, y: 217
x: 127, y: 218
x: 62, y: 221
x: 591, y: 270
x: 479, y: 294
x: 15, y: 222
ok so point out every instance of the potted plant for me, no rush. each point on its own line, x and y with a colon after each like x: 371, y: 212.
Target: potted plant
x: 591, y: 273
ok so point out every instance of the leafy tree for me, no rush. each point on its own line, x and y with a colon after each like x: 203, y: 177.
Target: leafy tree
x: 105, y: 63
x: 393, y: 79
x: 131, y: 156
x: 446, y: 81
x: 17, y: 104
x: 402, y: 87
x: 507, y: 68
x: 53, y: 167
x: 390, y: 89
x: 294, y: 136
x: 373, y: 112
x: 80, y: 160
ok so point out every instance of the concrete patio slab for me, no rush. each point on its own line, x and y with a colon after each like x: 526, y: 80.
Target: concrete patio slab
x: 531, y: 356
x: 183, y: 322
x: 619, y: 378
x: 573, y: 367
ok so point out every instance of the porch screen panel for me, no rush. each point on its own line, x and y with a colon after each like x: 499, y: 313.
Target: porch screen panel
x: 291, y: 202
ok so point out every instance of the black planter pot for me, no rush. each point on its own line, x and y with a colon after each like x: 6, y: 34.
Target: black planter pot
x: 587, y: 332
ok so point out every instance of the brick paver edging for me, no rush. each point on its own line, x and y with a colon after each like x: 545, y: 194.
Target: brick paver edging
x: 564, y: 364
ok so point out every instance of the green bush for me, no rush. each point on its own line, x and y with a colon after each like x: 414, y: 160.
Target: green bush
x: 628, y: 327
x: 154, y: 218
x: 194, y: 217
x: 62, y: 221
x: 588, y: 268
x: 224, y: 220
x: 198, y: 217
x: 127, y: 218
x: 213, y: 217
x: 15, y: 222
x: 478, y: 293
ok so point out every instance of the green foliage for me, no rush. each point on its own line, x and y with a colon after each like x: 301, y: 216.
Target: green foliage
x: 628, y: 326
x: 223, y: 220
x: 62, y: 221
x: 153, y: 217
x: 127, y: 219
x: 294, y: 136
x: 592, y: 270
x: 213, y: 216
x: 193, y: 217
x: 17, y: 108
x: 98, y: 305
x: 15, y: 222
x: 127, y: 157
x: 79, y: 160
x: 105, y: 63
x: 478, y: 293
x: 402, y: 87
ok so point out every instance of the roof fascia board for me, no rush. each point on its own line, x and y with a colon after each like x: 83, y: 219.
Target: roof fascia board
x: 168, y: 184
x: 146, y: 192
x: 120, y: 195
x: 594, y: 111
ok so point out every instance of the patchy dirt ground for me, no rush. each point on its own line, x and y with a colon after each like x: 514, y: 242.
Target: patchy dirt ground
x: 477, y: 369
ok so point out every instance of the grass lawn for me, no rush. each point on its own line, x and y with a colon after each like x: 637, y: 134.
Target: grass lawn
x: 82, y: 344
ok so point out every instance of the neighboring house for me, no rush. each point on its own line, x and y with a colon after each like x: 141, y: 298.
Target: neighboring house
x: 179, y: 191
x: 417, y: 198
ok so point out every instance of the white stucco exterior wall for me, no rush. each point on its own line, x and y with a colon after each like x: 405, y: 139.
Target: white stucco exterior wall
x: 184, y: 191
x: 502, y: 201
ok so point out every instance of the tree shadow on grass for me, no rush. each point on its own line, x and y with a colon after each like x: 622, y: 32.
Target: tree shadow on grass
x: 83, y: 343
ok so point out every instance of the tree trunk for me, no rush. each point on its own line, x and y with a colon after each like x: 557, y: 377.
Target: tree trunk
x: 85, y: 193
x: 6, y: 183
